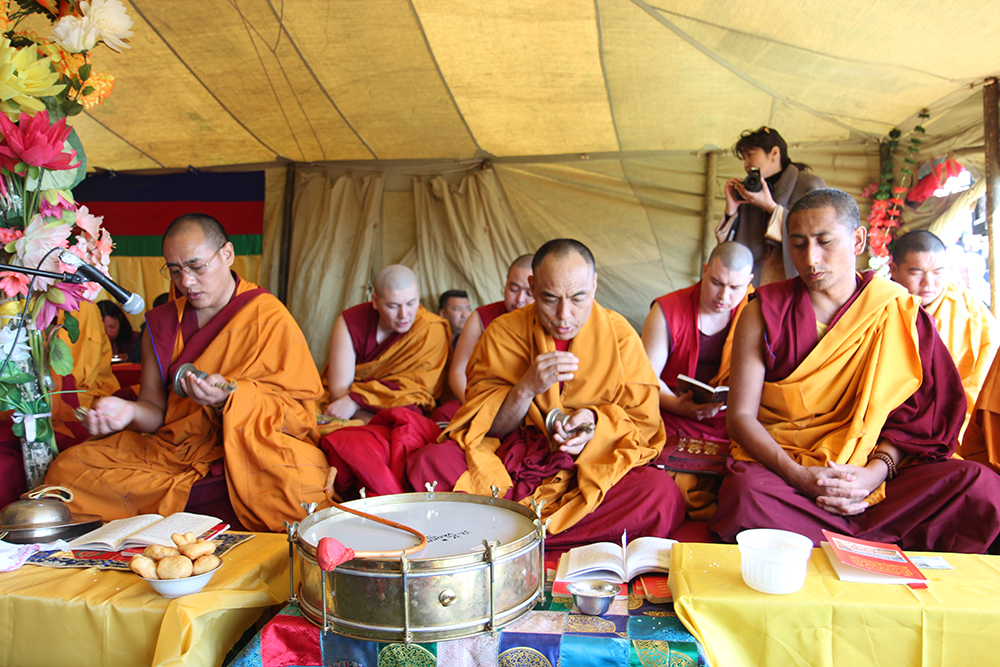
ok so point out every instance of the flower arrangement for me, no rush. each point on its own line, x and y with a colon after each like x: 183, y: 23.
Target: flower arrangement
x: 888, y: 198
x: 44, y: 79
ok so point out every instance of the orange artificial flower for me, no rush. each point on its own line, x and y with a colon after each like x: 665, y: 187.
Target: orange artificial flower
x: 102, y: 83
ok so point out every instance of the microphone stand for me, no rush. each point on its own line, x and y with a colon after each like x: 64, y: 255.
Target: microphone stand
x: 62, y: 277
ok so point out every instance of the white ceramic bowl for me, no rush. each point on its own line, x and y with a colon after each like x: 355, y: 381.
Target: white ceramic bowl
x: 175, y: 588
x: 774, y: 561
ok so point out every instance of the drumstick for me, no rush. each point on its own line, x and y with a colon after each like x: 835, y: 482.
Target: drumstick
x: 385, y: 522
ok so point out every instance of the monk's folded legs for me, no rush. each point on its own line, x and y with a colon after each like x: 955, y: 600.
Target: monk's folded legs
x: 948, y: 505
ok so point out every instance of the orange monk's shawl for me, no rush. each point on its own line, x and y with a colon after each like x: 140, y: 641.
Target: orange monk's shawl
x: 967, y: 328
x: 266, y: 432
x: 615, y: 380
x: 411, y: 371
x: 833, y: 406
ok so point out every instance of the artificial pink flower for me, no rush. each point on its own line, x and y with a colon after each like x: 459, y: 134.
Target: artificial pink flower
x: 13, y: 284
x: 8, y: 235
x: 39, y: 238
x: 35, y: 142
x: 72, y: 296
x: 102, y: 249
x: 55, y: 209
x: 88, y: 222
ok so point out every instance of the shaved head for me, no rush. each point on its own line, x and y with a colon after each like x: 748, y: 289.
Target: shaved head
x: 918, y: 241
x: 212, y: 230
x: 395, y: 278
x: 733, y: 255
x: 522, y: 262
x: 396, y: 298
x: 561, y: 248
x: 842, y: 203
x: 517, y: 290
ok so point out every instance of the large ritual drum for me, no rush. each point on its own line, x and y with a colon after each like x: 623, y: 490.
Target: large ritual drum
x: 447, y: 590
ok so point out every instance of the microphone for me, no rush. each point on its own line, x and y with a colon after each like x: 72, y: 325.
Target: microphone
x: 132, y: 304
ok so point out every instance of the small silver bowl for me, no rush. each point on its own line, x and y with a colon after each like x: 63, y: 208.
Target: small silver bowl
x: 593, y: 597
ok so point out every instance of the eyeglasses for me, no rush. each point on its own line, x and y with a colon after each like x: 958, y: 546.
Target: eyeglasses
x: 174, y: 272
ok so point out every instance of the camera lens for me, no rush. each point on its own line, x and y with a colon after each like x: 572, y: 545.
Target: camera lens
x: 752, y: 181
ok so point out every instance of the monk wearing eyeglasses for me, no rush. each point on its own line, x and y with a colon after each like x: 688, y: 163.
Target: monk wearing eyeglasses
x: 254, y: 412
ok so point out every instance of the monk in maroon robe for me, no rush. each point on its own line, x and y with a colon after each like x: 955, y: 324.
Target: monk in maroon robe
x: 686, y: 333
x: 845, y: 406
x: 566, y: 352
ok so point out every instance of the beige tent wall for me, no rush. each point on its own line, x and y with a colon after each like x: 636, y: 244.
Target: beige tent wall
x: 641, y: 214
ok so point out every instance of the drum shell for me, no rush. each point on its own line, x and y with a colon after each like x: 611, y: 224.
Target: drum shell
x: 448, y: 597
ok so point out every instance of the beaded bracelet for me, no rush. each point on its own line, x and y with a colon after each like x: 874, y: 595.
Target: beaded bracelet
x: 886, y: 458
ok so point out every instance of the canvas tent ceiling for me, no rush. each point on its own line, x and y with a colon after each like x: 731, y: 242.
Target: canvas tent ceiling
x: 597, y: 116
x: 213, y: 82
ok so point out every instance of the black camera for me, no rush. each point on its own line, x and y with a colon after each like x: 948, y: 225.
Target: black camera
x: 752, y: 181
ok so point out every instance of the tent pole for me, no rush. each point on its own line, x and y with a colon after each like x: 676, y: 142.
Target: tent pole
x: 708, y: 226
x: 285, y: 256
x: 991, y: 136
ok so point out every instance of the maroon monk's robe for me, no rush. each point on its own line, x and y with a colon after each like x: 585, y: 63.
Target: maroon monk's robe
x: 490, y: 312
x: 684, y: 347
x: 389, y: 438
x: 934, y: 503
x: 362, y: 324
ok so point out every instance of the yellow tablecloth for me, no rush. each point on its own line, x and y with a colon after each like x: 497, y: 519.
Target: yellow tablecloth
x: 106, y: 618
x: 954, y: 621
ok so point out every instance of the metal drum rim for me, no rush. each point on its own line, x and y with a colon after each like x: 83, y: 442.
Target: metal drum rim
x: 371, y: 504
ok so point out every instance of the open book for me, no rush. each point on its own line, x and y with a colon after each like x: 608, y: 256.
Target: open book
x: 616, y: 563
x: 701, y: 392
x: 142, y: 531
x: 869, y: 562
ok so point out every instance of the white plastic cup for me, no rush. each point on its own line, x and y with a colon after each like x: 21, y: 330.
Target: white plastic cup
x: 774, y: 561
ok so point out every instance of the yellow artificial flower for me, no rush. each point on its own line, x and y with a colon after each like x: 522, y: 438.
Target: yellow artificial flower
x: 24, y: 77
x: 4, y: 19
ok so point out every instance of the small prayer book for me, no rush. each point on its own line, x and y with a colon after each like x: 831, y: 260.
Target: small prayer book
x: 869, y: 562
x: 701, y: 392
x: 614, y: 563
x: 143, y: 531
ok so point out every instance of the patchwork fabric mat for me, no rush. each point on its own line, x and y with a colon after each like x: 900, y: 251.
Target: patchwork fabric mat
x: 634, y: 633
x: 118, y: 560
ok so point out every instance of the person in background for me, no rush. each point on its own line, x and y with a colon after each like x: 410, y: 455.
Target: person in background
x: 454, y: 307
x: 967, y: 327
x: 690, y: 332
x: 124, y: 341
x: 757, y: 219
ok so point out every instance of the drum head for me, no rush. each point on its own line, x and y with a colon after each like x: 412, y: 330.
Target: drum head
x: 452, y: 528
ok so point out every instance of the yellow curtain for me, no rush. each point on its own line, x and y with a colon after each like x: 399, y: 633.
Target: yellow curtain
x: 467, y: 236
x: 336, y: 219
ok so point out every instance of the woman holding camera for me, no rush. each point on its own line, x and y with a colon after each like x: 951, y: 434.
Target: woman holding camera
x: 756, y: 206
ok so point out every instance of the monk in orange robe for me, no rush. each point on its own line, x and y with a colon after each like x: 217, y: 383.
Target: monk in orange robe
x: 255, y: 411
x: 388, y: 353
x: 563, y: 352
x: 91, y: 377
x: 966, y: 325
x: 690, y: 332
x: 845, y: 406
x: 516, y: 294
